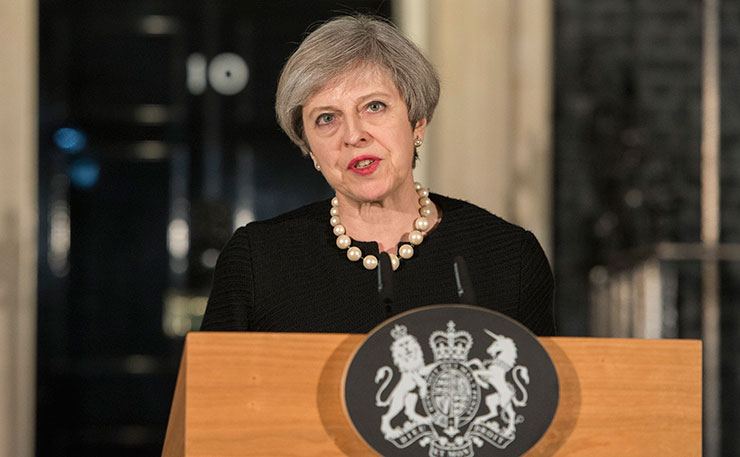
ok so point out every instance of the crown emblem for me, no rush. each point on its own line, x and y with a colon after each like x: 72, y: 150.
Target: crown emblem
x: 399, y: 331
x: 450, y: 345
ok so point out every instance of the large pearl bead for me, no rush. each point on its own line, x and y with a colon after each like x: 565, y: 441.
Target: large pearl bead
x: 343, y: 241
x: 422, y: 224
x: 406, y: 251
x: 395, y: 263
x: 370, y: 262
x: 354, y: 254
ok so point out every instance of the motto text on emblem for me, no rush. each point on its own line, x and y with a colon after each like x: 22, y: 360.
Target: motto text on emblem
x: 450, y: 389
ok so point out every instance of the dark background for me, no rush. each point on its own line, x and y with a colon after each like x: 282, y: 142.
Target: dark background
x: 147, y: 155
x: 627, y: 157
x: 146, y: 150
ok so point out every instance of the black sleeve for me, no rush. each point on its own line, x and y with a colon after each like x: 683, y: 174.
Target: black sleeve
x: 536, y: 310
x: 231, y: 294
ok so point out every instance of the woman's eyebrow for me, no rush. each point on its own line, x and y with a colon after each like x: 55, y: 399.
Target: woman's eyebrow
x: 359, y: 99
x: 371, y: 95
x: 314, y: 111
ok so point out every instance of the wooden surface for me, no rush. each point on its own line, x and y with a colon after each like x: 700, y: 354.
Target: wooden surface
x: 174, y: 442
x: 278, y: 394
x: 625, y: 397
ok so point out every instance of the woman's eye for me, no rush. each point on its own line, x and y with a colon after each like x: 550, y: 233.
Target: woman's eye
x: 324, y: 118
x: 374, y: 107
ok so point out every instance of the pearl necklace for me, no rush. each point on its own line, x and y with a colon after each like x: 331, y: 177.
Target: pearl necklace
x: 406, y: 251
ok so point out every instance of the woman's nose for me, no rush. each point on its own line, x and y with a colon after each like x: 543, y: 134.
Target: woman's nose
x: 355, y: 133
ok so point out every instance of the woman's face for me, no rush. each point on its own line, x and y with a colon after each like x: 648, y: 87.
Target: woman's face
x: 358, y: 130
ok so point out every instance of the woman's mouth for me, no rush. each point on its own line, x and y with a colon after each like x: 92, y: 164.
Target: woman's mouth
x: 364, y: 165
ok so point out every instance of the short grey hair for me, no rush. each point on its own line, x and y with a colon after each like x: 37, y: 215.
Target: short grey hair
x: 345, y: 43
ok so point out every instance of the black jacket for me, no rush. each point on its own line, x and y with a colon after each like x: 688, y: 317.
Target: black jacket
x: 287, y: 274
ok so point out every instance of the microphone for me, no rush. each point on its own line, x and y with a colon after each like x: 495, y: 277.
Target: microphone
x: 385, y: 282
x: 465, y: 291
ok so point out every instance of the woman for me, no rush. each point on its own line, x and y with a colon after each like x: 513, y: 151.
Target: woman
x: 357, y: 97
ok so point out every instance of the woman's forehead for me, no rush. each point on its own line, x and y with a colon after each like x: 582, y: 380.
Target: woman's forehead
x: 365, y: 77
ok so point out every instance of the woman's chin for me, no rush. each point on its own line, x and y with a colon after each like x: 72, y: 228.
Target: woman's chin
x: 370, y: 193
x: 376, y: 189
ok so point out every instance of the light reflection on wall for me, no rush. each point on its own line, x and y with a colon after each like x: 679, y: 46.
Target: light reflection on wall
x: 182, y: 313
x: 84, y: 172
x: 243, y: 217
x: 178, y: 244
x: 228, y: 73
x: 154, y: 24
x: 70, y: 140
x: 178, y: 229
x: 245, y: 187
x: 59, y: 227
x: 196, y: 68
x: 209, y: 257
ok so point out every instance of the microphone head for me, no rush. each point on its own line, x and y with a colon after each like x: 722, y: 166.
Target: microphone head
x: 385, y: 279
x: 465, y: 291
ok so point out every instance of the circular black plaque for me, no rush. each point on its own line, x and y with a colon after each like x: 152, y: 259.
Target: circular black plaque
x: 451, y: 381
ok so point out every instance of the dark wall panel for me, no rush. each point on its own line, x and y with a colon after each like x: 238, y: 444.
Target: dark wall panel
x: 143, y: 177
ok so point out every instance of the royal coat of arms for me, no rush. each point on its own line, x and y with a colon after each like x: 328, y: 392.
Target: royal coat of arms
x: 450, y: 389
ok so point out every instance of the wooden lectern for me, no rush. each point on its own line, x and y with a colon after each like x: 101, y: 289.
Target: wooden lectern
x: 278, y: 394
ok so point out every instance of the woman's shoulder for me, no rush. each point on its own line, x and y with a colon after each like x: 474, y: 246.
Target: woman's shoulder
x: 286, y: 230
x: 311, y: 213
x: 295, y: 229
x: 461, y: 213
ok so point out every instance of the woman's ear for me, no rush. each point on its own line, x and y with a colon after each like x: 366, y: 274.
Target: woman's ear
x: 316, y: 164
x: 420, y: 128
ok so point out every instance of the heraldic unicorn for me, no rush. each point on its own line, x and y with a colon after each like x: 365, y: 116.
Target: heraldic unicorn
x: 450, y: 389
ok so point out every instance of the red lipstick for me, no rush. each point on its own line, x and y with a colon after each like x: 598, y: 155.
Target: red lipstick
x: 364, y: 165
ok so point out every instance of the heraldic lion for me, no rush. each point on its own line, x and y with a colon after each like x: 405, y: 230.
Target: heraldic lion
x: 409, y: 359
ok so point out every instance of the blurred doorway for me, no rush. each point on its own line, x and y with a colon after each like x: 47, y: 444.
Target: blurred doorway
x: 156, y: 139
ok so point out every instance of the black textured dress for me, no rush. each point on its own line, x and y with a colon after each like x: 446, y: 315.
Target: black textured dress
x: 286, y: 274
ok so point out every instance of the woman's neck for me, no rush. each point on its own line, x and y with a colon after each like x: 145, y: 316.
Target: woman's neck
x: 386, y: 222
